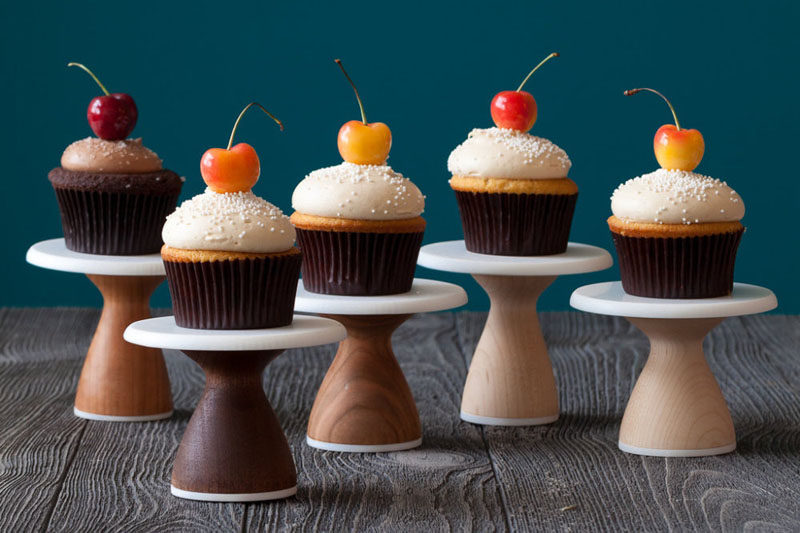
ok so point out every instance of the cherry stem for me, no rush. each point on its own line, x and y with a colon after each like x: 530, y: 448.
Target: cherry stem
x: 90, y: 74
x: 631, y: 92
x: 248, y: 106
x: 545, y: 60
x: 360, y: 105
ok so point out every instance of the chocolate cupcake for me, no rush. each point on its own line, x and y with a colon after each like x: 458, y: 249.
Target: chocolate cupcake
x: 676, y: 234
x: 513, y: 193
x: 231, y: 262
x: 113, y: 196
x: 360, y: 229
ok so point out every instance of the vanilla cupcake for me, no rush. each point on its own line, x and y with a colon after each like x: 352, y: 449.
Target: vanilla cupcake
x: 113, y: 196
x: 231, y: 262
x: 513, y: 193
x: 360, y: 229
x: 676, y: 234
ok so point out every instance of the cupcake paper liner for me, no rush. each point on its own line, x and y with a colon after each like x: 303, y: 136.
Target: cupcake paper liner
x: 516, y: 224
x: 113, y: 223
x: 251, y: 293
x: 678, y: 267
x: 358, y: 264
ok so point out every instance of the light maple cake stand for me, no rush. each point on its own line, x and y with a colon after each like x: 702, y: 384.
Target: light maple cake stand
x: 510, y: 380
x: 676, y: 408
x: 364, y: 403
x: 233, y: 449
x: 120, y: 382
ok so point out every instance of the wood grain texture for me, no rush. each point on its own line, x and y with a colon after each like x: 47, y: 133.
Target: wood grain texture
x: 510, y: 375
x: 364, y: 398
x: 60, y: 473
x: 120, y: 378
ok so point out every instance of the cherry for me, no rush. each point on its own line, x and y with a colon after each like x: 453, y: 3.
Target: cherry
x: 675, y: 148
x: 516, y: 110
x: 233, y: 169
x: 112, y: 116
x: 363, y: 143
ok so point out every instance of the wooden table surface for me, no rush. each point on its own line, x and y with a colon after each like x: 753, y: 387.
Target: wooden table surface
x: 62, y: 473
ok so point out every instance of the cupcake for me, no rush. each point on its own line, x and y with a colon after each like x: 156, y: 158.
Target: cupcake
x: 676, y: 232
x: 512, y: 188
x: 358, y: 223
x: 113, y: 192
x: 229, y: 255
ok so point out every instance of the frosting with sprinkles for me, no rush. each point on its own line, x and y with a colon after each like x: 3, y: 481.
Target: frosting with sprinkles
x: 358, y: 192
x: 127, y: 156
x: 676, y: 197
x: 231, y: 222
x: 507, y: 153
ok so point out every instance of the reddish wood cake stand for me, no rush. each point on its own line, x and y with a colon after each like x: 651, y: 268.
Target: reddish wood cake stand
x: 234, y: 449
x: 120, y: 382
x: 676, y: 408
x: 364, y: 403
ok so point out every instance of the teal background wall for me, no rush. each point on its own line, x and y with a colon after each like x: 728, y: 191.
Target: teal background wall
x: 429, y: 70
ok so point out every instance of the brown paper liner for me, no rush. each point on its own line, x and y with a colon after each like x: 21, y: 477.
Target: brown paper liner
x: 678, y: 267
x: 516, y: 224
x: 251, y: 293
x: 358, y: 264
x: 113, y: 223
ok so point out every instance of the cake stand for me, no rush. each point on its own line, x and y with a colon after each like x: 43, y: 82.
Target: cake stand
x: 510, y: 380
x: 234, y: 449
x: 120, y: 382
x: 676, y: 408
x: 364, y: 403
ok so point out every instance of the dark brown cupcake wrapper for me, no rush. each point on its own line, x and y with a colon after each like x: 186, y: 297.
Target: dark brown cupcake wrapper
x: 358, y: 264
x: 678, y: 267
x: 516, y: 224
x: 234, y: 294
x: 113, y: 223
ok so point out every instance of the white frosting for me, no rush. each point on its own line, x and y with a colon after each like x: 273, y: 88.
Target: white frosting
x: 676, y: 197
x: 230, y: 222
x: 507, y: 153
x: 358, y: 192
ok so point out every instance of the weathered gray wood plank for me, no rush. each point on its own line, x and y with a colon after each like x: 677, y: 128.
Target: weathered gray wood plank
x: 570, y: 476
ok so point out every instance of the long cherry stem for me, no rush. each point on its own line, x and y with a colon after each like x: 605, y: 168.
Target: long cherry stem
x: 543, y: 61
x: 631, y: 92
x: 90, y: 74
x: 248, y: 106
x: 360, y: 105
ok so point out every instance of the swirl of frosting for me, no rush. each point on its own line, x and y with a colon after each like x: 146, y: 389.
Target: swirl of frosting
x: 230, y: 222
x: 507, y: 153
x: 358, y: 192
x: 676, y: 197
x: 115, y: 157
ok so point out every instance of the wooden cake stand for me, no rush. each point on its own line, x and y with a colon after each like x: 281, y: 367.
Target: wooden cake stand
x: 234, y: 449
x: 676, y: 408
x: 364, y: 403
x: 510, y: 380
x: 120, y: 382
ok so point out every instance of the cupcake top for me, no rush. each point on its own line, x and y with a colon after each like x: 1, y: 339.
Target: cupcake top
x: 231, y: 222
x: 676, y: 197
x: 358, y: 192
x: 128, y: 156
x: 507, y: 153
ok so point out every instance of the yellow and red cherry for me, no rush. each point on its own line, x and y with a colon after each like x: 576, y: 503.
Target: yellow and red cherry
x: 360, y: 142
x: 676, y: 148
x: 112, y: 116
x: 233, y: 169
x: 516, y: 110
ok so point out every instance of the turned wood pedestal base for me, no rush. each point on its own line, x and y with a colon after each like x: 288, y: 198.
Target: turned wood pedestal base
x: 364, y: 403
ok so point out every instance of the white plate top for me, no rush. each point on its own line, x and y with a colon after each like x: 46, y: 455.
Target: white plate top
x: 609, y: 299
x: 425, y: 295
x: 162, y: 332
x: 452, y: 256
x: 54, y: 255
